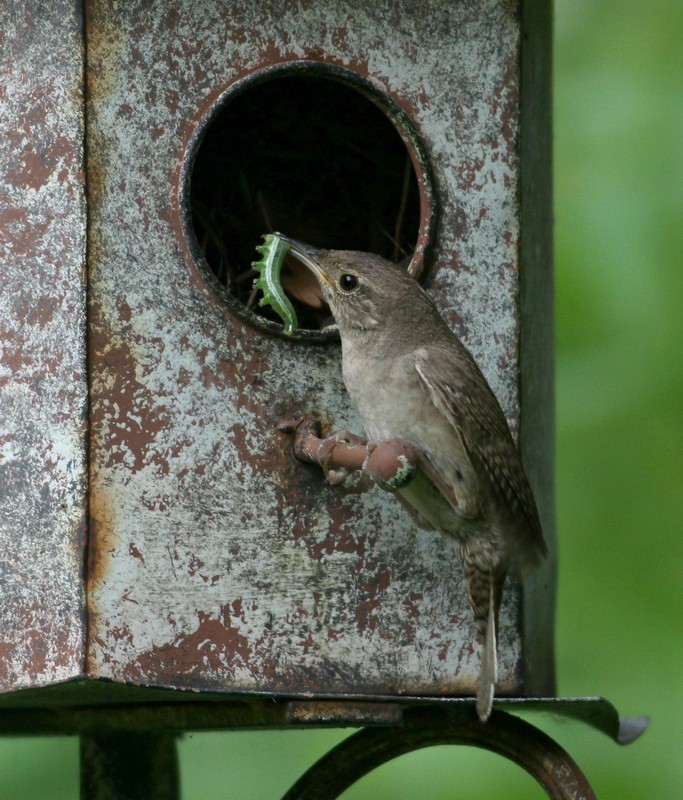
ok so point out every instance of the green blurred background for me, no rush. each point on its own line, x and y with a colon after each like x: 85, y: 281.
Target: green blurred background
x: 619, y: 221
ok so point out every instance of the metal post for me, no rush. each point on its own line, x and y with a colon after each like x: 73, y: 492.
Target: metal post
x: 127, y: 765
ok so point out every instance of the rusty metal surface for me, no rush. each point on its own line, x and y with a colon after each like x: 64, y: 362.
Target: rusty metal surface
x: 42, y: 344
x: 342, y: 713
x: 217, y: 561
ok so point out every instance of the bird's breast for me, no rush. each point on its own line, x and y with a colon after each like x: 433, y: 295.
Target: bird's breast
x: 394, y: 403
x: 387, y: 396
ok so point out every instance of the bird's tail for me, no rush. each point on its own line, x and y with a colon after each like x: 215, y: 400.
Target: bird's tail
x: 488, y: 672
x: 485, y: 589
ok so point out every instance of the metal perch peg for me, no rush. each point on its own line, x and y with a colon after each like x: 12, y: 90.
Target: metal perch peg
x: 391, y: 465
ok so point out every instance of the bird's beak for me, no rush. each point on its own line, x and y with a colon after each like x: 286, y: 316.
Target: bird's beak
x: 309, y: 256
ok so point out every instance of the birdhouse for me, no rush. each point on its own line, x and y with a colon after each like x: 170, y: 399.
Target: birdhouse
x: 157, y: 529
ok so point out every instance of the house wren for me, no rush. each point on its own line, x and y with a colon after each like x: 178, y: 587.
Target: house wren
x: 411, y: 379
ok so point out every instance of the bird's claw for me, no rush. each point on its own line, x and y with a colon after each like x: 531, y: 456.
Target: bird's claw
x: 347, y: 459
x: 340, y: 455
x: 288, y: 425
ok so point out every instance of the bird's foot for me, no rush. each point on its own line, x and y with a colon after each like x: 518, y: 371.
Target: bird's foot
x: 340, y: 455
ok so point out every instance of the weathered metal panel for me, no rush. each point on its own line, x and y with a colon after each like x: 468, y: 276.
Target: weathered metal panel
x: 217, y: 561
x: 42, y: 344
x: 537, y: 386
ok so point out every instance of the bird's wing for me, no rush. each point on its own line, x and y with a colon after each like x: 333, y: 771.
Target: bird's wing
x: 460, y: 392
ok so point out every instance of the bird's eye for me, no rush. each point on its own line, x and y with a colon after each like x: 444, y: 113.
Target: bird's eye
x: 347, y: 282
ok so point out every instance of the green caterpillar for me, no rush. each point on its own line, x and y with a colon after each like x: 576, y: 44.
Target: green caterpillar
x: 273, y: 252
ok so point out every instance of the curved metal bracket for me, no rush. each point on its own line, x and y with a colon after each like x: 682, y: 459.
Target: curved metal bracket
x: 504, y: 734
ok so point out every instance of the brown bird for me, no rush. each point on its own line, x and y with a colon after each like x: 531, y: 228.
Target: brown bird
x: 412, y: 379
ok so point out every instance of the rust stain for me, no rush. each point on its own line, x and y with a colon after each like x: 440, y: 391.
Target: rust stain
x: 102, y: 542
x: 133, y: 550
x: 215, y: 645
x: 329, y: 712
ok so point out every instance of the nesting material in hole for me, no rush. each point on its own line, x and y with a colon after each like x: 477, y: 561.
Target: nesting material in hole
x: 309, y: 155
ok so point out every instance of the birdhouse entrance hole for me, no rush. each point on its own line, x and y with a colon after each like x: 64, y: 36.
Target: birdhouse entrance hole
x: 316, y: 153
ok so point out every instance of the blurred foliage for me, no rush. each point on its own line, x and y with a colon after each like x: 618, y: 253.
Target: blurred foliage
x: 619, y: 211
x: 619, y: 230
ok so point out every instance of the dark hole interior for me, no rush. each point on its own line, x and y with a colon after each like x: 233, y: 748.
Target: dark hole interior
x: 311, y: 157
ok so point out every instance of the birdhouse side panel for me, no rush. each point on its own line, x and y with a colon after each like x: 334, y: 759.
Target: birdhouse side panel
x: 43, y: 387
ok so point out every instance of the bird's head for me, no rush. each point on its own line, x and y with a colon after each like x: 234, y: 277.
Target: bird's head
x: 361, y: 289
